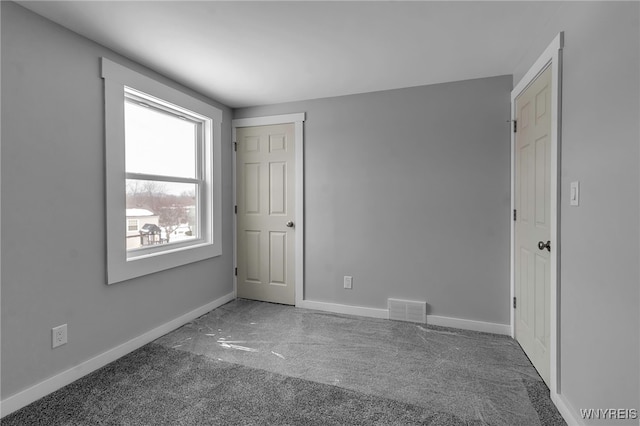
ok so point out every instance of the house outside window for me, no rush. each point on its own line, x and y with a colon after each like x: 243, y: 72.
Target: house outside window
x: 149, y: 233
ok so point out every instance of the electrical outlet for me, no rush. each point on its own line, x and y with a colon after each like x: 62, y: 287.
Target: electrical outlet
x: 59, y: 335
x: 348, y: 282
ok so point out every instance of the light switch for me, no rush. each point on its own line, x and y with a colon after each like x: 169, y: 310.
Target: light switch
x: 574, y: 196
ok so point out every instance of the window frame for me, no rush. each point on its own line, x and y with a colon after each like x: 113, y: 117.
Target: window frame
x: 202, y: 123
x: 123, y: 264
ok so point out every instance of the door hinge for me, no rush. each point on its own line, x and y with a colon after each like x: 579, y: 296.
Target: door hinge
x: 235, y: 146
x: 235, y: 209
x: 515, y: 126
x: 515, y: 214
x: 235, y: 272
x: 514, y: 303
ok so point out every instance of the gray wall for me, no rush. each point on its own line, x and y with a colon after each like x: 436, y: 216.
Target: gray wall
x: 53, y: 220
x: 408, y: 191
x: 599, y: 273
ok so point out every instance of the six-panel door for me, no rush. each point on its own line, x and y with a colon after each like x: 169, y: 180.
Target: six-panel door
x: 533, y: 157
x: 265, y: 168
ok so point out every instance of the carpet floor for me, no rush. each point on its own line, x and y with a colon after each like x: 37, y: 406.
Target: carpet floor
x: 159, y: 386
x: 255, y: 363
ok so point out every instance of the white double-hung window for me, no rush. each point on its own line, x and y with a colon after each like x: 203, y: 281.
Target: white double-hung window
x: 162, y: 171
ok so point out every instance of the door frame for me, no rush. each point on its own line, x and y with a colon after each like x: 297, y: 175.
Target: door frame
x: 297, y: 119
x: 551, y: 56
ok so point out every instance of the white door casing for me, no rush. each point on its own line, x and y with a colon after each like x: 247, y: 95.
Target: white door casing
x: 268, y: 192
x: 533, y: 230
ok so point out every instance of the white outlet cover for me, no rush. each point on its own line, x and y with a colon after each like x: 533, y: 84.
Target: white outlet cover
x: 59, y: 335
x: 348, y: 282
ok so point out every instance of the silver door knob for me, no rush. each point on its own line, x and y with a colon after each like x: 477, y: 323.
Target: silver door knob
x: 289, y: 224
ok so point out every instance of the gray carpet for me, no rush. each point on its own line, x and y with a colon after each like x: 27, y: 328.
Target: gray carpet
x: 256, y: 363
x: 476, y: 377
x: 539, y: 396
x: 160, y: 386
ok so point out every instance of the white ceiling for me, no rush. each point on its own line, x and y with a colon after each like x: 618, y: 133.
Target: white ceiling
x: 254, y: 53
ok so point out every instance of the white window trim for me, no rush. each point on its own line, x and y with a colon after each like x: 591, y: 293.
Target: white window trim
x: 119, y: 268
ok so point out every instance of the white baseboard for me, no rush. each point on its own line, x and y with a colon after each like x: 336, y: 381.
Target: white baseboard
x: 487, y: 327
x: 465, y: 324
x: 344, y: 309
x: 35, y: 392
x: 565, y: 409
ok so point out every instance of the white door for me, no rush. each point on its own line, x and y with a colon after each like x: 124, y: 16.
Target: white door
x: 532, y: 229
x: 265, y: 196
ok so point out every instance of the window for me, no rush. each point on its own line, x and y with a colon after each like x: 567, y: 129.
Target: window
x: 132, y: 225
x: 163, y: 164
x: 162, y: 173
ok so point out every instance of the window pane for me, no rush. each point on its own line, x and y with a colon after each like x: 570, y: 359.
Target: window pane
x: 159, y: 143
x: 132, y: 224
x: 167, y: 212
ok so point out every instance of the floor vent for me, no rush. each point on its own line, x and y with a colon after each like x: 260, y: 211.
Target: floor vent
x: 408, y: 310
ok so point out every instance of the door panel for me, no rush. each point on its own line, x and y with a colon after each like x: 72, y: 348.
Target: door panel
x: 533, y: 221
x: 252, y: 188
x: 541, y: 187
x: 525, y: 159
x: 523, y: 312
x: 278, y: 188
x: 252, y: 256
x: 277, y: 142
x: 265, y: 185
x: 540, y: 289
x: 278, y: 258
